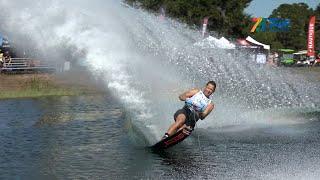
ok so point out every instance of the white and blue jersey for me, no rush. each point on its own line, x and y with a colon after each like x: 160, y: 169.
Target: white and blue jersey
x: 198, y: 102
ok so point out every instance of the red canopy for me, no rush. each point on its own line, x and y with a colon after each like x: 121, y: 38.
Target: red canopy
x: 243, y: 43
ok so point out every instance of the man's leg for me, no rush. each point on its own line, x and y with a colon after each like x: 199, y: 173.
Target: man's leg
x: 180, y: 120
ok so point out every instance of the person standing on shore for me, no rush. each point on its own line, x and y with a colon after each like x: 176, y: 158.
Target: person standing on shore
x: 1, y: 59
x: 317, y: 61
x: 7, y: 58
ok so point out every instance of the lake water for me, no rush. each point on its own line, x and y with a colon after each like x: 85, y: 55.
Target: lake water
x: 90, y: 138
x: 265, y: 124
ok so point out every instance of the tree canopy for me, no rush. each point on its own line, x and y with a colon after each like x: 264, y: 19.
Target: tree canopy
x: 227, y: 18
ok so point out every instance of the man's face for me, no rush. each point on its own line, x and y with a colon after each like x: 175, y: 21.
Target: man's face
x: 209, y: 89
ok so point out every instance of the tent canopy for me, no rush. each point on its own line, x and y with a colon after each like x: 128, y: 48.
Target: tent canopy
x: 253, y: 41
x: 242, y: 43
x: 212, y: 42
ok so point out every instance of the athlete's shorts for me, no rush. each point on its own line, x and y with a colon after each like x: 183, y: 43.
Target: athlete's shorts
x: 191, y: 116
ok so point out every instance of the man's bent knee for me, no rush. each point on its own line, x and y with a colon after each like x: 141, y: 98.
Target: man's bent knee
x: 180, y: 120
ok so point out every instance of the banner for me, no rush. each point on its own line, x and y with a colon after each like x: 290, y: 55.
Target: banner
x: 270, y: 25
x: 310, y: 44
x: 204, y: 26
x: 162, y: 13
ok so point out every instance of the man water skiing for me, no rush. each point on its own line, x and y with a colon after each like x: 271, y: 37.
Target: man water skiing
x: 197, y: 106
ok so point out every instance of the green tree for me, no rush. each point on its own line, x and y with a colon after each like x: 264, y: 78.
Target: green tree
x: 299, y: 14
x: 317, y: 28
x: 268, y: 38
x: 225, y: 17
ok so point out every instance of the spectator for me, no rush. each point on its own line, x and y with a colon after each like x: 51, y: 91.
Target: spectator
x: 276, y: 58
x: 7, y: 57
x: 317, y: 61
x: 270, y: 60
x: 1, y: 59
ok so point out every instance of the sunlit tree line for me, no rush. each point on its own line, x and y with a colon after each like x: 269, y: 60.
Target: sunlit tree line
x: 228, y: 18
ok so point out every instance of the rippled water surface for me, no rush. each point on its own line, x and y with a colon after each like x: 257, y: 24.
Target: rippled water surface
x: 91, y: 138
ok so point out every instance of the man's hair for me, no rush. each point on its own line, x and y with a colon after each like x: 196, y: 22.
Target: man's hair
x: 213, y: 83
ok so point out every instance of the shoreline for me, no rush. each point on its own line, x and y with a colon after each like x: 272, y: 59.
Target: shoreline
x: 76, y: 83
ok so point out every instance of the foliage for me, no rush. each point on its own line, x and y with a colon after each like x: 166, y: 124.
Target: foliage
x: 227, y: 18
x: 299, y: 14
x: 296, y: 38
x: 317, y: 33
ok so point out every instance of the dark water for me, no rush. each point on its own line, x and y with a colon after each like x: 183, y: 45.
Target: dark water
x: 89, y: 138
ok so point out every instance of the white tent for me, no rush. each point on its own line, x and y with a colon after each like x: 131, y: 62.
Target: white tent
x: 212, y: 42
x: 250, y: 39
x: 226, y: 44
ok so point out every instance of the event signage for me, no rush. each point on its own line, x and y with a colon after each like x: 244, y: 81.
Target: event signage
x: 310, y: 44
x: 270, y: 25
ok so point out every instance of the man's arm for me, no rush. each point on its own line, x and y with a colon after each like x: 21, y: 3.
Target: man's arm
x: 188, y: 94
x: 207, y: 111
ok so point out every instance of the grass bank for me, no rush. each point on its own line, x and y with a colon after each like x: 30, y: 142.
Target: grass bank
x: 39, y: 85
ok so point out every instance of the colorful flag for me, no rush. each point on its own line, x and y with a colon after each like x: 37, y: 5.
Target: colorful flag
x: 162, y: 13
x: 310, y: 44
x: 204, y: 26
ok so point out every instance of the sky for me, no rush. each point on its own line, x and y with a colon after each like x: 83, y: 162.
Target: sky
x: 263, y: 8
